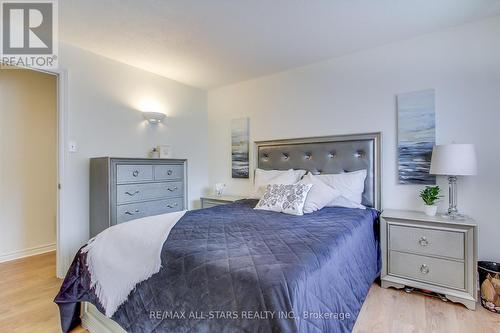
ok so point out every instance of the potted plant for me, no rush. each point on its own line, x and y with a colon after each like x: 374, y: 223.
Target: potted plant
x: 430, y: 195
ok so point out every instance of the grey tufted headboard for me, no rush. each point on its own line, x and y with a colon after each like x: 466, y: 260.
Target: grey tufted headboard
x: 329, y: 154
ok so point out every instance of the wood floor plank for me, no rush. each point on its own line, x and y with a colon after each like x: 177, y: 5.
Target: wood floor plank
x: 395, y: 311
x: 28, y: 286
x: 27, y: 289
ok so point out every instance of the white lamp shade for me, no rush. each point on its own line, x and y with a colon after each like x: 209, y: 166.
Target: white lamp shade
x: 454, y: 160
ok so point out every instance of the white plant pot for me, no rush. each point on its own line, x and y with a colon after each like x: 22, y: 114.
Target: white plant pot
x: 430, y: 210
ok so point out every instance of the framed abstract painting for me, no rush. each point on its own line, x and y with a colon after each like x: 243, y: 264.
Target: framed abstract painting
x: 416, y: 136
x: 240, y: 148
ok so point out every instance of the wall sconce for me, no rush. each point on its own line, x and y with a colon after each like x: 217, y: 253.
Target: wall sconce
x: 154, y: 117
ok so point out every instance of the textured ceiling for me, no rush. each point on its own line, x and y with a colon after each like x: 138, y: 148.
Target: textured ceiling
x: 210, y: 43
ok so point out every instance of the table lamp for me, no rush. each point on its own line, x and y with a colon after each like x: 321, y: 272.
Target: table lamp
x: 453, y: 160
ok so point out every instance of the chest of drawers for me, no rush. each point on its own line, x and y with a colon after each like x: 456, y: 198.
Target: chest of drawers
x: 124, y: 189
x: 430, y: 253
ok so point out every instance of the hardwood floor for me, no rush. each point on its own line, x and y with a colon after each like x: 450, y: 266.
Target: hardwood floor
x: 28, y: 286
x: 391, y: 310
x: 27, y: 289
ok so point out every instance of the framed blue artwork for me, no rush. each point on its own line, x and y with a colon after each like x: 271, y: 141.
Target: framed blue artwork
x: 416, y: 136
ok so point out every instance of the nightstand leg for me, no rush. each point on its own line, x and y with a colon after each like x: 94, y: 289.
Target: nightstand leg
x: 471, y: 305
x: 387, y: 284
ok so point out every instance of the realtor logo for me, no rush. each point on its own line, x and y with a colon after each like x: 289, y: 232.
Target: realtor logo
x: 28, y: 33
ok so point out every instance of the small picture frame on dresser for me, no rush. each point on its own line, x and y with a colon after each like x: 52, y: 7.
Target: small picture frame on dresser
x: 165, y: 151
x: 430, y: 253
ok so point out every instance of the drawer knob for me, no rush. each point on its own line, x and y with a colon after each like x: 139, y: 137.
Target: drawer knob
x: 172, y: 189
x: 135, y: 173
x: 132, y: 193
x: 172, y: 206
x: 424, y: 269
x: 169, y: 172
x: 423, y: 241
x: 132, y: 213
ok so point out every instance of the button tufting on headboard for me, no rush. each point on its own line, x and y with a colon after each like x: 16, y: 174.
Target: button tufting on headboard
x: 327, y: 155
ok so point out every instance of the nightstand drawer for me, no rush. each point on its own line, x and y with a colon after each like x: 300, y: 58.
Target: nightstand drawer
x: 442, y: 272
x: 440, y: 243
x: 210, y: 203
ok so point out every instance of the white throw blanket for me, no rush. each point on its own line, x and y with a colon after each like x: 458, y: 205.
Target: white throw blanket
x: 126, y: 254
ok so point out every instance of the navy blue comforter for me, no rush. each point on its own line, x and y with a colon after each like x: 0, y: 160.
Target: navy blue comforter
x: 235, y: 269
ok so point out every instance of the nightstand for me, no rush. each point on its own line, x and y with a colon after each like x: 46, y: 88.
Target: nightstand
x: 213, y: 200
x: 430, y: 253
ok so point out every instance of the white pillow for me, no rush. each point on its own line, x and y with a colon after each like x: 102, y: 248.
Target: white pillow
x: 350, y: 184
x: 342, y: 201
x: 266, y: 177
x: 284, y: 198
x: 319, y: 195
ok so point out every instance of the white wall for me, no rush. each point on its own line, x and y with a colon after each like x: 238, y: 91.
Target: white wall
x: 103, y: 119
x: 356, y: 94
x: 28, y: 169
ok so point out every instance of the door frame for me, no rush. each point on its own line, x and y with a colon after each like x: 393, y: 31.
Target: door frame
x: 62, y: 262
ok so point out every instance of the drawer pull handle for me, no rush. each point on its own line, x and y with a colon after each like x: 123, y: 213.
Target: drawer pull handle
x: 169, y: 172
x: 132, y: 194
x: 424, y: 269
x: 135, y: 173
x: 172, y: 206
x: 423, y: 241
x: 132, y: 213
x: 172, y: 189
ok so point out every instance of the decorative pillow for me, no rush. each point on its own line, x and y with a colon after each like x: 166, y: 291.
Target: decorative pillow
x: 266, y: 177
x: 320, y: 194
x: 350, y: 184
x: 288, y: 199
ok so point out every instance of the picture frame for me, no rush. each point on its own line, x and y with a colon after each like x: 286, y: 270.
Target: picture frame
x: 165, y: 151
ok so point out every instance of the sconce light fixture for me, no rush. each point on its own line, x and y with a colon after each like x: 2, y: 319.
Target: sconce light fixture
x: 154, y: 117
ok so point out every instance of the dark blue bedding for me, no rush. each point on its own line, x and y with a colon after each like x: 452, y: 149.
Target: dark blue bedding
x: 235, y: 269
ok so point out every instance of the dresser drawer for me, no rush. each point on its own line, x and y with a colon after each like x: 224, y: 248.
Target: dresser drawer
x: 167, y: 172
x: 437, y: 271
x: 148, y: 191
x: 167, y: 206
x: 133, y: 173
x: 426, y: 241
x: 129, y: 212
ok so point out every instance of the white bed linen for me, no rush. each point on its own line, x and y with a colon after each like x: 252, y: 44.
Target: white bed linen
x: 270, y: 177
x: 126, y: 254
x: 319, y: 195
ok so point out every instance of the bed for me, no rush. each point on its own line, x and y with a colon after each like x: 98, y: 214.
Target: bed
x: 235, y: 269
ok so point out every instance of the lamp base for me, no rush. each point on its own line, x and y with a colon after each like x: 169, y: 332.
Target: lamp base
x: 454, y: 216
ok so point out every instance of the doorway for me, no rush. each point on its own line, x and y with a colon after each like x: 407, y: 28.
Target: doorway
x: 29, y: 162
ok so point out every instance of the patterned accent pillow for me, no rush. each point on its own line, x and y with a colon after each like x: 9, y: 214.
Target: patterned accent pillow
x: 288, y: 199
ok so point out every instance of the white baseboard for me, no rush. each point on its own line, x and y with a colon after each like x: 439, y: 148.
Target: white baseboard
x: 27, y: 252
x: 96, y: 322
